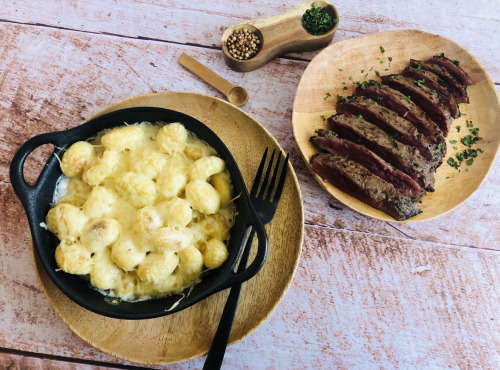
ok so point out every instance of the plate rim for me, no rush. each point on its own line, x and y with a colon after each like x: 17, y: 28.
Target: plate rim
x: 47, y: 285
x: 349, y: 201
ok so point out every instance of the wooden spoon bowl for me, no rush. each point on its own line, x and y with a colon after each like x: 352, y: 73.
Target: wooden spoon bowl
x: 279, y: 35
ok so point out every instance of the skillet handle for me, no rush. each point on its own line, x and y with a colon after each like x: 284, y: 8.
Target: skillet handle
x: 28, y: 193
x: 244, y: 273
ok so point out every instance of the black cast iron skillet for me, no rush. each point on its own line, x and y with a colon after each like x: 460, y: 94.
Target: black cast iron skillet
x: 37, y: 200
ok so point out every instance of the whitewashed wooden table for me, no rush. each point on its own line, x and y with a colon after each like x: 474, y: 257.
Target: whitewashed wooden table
x: 366, y: 294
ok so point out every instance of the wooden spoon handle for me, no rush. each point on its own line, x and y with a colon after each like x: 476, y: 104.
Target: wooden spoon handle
x: 206, y: 74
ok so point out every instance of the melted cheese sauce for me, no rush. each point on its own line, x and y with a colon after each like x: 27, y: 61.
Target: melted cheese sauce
x: 145, y: 221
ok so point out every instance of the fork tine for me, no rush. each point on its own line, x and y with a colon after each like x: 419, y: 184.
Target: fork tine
x: 258, y: 175
x: 281, y: 181
x: 270, y: 186
x: 263, y: 187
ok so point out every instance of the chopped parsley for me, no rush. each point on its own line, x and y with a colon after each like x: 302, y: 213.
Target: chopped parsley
x: 317, y: 20
x: 382, y: 49
x: 467, y: 155
x: 419, y: 83
x: 327, y: 95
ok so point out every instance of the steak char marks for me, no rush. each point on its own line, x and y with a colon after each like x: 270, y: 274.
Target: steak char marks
x: 387, y: 140
x: 330, y: 142
x: 405, y: 158
x: 454, y: 87
x: 425, y: 98
x: 393, y: 125
x: 355, y: 180
x: 434, y: 82
x: 402, y: 105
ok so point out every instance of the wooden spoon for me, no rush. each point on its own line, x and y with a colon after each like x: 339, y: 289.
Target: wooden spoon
x: 236, y: 95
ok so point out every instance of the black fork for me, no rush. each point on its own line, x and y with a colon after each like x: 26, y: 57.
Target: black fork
x: 265, y: 195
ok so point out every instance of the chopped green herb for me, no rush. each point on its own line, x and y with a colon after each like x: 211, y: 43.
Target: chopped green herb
x: 382, y: 49
x: 390, y: 59
x: 469, y: 161
x: 469, y: 123
x: 403, y: 154
x: 453, y: 163
x: 458, y: 128
x: 474, y: 131
x: 453, y: 141
x: 362, y: 71
x: 419, y: 83
x: 350, y: 77
x: 440, y: 146
x: 455, y: 147
x: 359, y: 116
x: 340, y: 69
x: 323, y: 117
x: 381, y: 62
x: 317, y: 20
x: 339, y: 97
x: 419, y: 67
x: 377, y: 73
x: 407, y: 97
x: 345, y: 88
x: 327, y: 95
x: 456, y: 62
x: 363, y: 85
x: 470, y: 140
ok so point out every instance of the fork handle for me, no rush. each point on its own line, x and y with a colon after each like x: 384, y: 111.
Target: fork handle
x: 219, y: 343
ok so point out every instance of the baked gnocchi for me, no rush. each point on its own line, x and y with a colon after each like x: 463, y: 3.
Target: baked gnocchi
x: 143, y: 210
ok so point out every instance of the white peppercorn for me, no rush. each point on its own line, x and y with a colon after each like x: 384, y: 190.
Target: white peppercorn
x: 243, y: 44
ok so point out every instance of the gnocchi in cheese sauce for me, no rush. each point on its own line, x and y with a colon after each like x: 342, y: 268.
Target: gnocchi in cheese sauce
x: 142, y: 210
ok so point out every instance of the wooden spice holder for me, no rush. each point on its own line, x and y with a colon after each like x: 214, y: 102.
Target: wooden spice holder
x: 279, y: 35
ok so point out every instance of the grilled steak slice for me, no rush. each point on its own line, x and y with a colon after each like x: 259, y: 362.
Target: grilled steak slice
x: 403, y: 157
x: 427, y: 100
x: 434, y: 82
x: 330, y: 142
x: 357, y: 181
x: 454, y: 87
x: 453, y: 68
x: 402, y: 105
x: 394, y: 125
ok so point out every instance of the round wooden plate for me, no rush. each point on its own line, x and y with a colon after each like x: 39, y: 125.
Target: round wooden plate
x: 188, y: 333
x: 336, y: 69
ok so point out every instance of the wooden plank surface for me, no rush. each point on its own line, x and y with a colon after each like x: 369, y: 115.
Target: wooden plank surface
x: 366, y: 293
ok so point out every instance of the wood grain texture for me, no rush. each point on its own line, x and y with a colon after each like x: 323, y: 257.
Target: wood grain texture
x: 187, y: 334
x: 167, y: 21
x: 352, y: 303
x: 360, y: 60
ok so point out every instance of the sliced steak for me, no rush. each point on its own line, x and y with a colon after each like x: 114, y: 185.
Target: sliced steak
x: 454, y: 87
x: 357, y: 181
x: 453, y: 67
x: 393, y: 125
x: 402, y: 105
x: 436, y: 83
x: 403, y: 157
x: 330, y: 142
x: 424, y: 97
